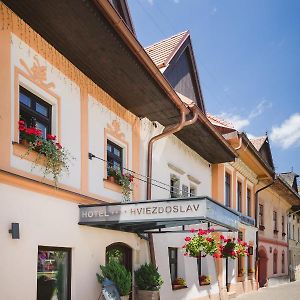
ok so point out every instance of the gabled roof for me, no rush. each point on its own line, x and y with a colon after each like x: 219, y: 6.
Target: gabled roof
x: 262, y: 145
x: 291, y: 179
x: 163, y: 51
x: 174, y: 57
x: 258, y: 142
x: 219, y: 122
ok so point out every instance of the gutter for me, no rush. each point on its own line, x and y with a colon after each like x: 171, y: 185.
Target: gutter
x: 166, y: 132
x: 256, y: 225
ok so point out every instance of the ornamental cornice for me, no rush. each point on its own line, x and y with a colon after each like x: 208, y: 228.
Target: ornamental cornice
x: 242, y: 168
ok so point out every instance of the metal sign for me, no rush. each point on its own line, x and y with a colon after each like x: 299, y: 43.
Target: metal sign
x: 159, y: 211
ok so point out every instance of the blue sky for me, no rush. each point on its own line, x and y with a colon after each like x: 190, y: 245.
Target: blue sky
x: 248, y: 58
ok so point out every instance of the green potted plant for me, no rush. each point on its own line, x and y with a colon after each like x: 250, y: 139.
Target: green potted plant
x: 148, y: 282
x: 179, y: 283
x: 204, y: 280
x: 117, y: 273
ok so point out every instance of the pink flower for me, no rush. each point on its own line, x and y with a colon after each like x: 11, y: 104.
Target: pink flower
x: 185, y: 254
x: 58, y: 145
x: 187, y: 239
x: 51, y: 137
x: 192, y: 230
x: 222, y: 237
x: 184, y: 246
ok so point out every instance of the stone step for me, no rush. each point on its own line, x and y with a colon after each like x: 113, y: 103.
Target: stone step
x: 231, y: 295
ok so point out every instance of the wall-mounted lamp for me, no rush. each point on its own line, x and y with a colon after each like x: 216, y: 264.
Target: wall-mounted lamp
x: 15, y: 231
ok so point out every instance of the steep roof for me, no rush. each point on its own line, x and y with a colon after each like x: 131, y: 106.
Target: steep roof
x: 258, y: 142
x: 291, y: 179
x: 219, y: 122
x: 163, y: 51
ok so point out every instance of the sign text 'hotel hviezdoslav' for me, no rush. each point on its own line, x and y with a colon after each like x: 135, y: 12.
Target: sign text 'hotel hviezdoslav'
x: 200, y: 209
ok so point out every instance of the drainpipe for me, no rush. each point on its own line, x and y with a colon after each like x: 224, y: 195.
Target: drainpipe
x: 256, y: 225
x: 240, y: 144
x: 166, y: 132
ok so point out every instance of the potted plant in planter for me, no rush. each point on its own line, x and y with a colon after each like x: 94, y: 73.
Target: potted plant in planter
x: 117, y: 273
x: 204, y: 280
x: 56, y: 158
x: 179, y: 283
x: 148, y: 282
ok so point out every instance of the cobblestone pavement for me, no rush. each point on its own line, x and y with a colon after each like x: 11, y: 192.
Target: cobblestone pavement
x: 288, y: 291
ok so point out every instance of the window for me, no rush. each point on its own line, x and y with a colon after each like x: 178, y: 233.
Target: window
x: 275, y: 221
x: 185, y: 191
x: 298, y: 234
x: 261, y: 215
x: 199, y: 267
x: 193, y: 191
x: 275, y: 262
x: 35, y: 112
x: 240, y: 259
x: 239, y: 196
x: 174, y: 186
x: 282, y: 262
x: 54, y: 273
x: 249, y: 202
x: 114, y: 156
x: 293, y: 234
x: 173, y: 263
x: 227, y: 189
x: 282, y: 225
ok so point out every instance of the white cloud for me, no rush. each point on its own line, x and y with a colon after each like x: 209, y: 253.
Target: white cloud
x: 214, y: 11
x: 239, y: 122
x: 288, y: 133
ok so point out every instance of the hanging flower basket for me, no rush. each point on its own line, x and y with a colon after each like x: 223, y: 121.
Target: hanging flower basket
x: 204, y: 242
x: 56, y: 158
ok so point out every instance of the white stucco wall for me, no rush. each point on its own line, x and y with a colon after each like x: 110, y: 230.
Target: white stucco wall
x: 69, y: 94
x: 48, y: 221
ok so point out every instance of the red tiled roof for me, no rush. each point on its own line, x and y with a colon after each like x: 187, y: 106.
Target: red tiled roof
x: 219, y: 122
x: 258, y: 142
x: 162, y: 52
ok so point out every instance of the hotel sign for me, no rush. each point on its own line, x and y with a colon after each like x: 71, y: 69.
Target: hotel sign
x: 197, y: 209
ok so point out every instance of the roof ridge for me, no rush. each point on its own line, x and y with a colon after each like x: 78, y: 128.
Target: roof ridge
x: 175, y: 35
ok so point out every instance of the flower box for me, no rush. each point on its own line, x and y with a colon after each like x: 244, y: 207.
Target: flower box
x: 204, y: 280
x: 179, y: 283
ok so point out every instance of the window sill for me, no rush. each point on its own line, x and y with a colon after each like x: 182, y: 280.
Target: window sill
x: 20, y: 150
x: 112, y: 186
x: 176, y: 287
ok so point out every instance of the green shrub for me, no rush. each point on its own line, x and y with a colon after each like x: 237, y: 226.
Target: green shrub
x: 148, y: 278
x: 118, y: 274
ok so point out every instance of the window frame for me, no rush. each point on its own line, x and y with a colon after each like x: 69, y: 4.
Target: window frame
x: 249, y: 201
x: 228, y: 187
x: 31, y: 115
x: 111, y: 155
x: 174, y: 190
x: 275, y: 221
x: 69, y: 272
x: 282, y: 262
x: 173, y: 261
x: 261, y: 215
x: 239, y: 196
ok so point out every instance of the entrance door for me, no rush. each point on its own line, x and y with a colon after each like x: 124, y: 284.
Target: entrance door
x: 262, y: 267
x: 122, y: 252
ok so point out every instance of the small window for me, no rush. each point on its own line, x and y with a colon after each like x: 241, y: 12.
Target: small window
x: 249, y: 196
x: 293, y: 234
x: 239, y: 196
x: 227, y: 189
x: 185, y: 191
x: 35, y: 112
x: 282, y: 262
x: 114, y: 156
x: 275, y: 262
x: 193, y: 191
x: 275, y: 220
x: 53, y: 273
x: 173, y: 263
x: 261, y: 215
x: 174, y: 186
x: 282, y: 225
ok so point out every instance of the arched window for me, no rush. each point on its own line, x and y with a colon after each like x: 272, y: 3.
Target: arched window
x: 275, y: 262
x: 282, y: 262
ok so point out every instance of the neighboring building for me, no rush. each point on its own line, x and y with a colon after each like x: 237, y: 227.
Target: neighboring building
x: 293, y: 228
x: 274, y: 203
x: 235, y: 185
